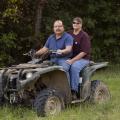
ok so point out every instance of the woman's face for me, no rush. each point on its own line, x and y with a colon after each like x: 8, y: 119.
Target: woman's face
x: 77, y: 25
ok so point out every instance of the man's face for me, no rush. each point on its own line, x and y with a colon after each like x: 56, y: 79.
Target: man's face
x: 77, y: 25
x: 58, y: 27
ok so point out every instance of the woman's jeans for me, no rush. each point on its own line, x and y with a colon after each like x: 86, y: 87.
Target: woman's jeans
x: 75, y: 69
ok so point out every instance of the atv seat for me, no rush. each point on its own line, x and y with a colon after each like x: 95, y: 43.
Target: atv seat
x: 87, y: 71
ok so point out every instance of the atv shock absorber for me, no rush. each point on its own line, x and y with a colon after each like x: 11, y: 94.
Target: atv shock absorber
x: 12, y: 98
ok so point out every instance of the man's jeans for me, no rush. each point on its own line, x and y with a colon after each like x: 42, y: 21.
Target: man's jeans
x: 66, y: 67
x: 62, y: 62
x: 75, y: 69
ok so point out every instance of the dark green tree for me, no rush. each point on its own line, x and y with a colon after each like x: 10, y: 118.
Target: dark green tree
x: 24, y: 23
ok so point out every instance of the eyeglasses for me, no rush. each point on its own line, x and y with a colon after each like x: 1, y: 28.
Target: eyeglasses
x: 76, y: 23
x: 58, y: 26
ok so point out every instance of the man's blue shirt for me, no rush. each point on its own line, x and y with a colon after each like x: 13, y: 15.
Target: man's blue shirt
x: 61, y: 43
x: 54, y: 44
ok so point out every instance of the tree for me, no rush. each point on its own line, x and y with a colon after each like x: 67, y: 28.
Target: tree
x: 39, y: 5
x: 27, y: 22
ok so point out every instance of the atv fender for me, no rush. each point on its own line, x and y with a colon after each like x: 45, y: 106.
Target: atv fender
x: 53, y: 77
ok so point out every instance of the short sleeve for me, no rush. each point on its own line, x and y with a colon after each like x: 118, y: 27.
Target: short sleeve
x: 85, y: 43
x: 69, y: 40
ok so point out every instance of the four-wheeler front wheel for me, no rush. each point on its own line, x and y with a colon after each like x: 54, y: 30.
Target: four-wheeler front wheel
x: 99, y: 92
x: 49, y: 102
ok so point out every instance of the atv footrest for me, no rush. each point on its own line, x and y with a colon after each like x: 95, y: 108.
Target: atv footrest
x: 77, y: 101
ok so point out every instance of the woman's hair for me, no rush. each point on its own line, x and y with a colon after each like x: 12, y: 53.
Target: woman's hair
x: 78, y: 19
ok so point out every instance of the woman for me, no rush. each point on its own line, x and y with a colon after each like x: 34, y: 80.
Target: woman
x: 81, y: 53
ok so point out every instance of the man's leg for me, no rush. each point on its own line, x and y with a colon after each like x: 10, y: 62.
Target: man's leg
x: 66, y: 67
x: 75, y: 69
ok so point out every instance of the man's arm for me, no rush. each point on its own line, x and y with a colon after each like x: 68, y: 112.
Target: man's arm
x: 68, y: 44
x: 42, y: 50
x: 67, y: 50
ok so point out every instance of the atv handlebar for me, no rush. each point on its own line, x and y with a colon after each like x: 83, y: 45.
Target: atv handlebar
x: 54, y: 52
x: 31, y: 53
x: 37, y: 59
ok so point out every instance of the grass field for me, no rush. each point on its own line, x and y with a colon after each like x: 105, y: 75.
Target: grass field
x: 83, y: 111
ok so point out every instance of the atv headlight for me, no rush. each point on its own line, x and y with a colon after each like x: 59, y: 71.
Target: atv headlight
x: 29, y: 75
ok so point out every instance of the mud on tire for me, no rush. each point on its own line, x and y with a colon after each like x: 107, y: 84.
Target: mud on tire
x: 99, y: 92
x: 49, y: 102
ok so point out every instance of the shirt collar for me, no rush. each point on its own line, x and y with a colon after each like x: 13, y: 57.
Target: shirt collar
x: 60, y: 37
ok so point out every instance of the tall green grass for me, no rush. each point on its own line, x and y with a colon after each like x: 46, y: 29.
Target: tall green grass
x: 83, y: 111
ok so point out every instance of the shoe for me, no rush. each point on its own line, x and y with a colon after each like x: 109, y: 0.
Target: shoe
x: 74, y: 95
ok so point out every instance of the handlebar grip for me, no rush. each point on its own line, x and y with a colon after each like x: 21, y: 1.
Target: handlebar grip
x: 25, y: 54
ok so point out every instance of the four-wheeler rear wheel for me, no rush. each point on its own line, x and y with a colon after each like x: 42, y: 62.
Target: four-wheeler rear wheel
x: 99, y: 92
x: 48, y: 102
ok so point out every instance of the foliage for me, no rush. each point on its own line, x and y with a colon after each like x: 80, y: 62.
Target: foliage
x: 101, y: 20
x: 7, y: 44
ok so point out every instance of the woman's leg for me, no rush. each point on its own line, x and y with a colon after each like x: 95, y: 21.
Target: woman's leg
x: 75, y: 69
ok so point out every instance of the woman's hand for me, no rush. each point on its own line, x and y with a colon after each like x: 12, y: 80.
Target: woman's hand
x: 70, y: 61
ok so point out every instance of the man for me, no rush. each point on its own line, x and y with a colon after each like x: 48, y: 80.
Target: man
x: 60, y: 41
x: 81, y: 53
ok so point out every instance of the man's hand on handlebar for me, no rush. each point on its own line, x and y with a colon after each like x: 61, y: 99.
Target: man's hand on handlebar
x: 36, y: 55
x: 60, y: 52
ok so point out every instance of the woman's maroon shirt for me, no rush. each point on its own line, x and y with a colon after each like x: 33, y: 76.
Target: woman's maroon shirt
x: 81, y: 44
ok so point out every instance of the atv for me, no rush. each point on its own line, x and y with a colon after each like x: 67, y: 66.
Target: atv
x: 44, y: 85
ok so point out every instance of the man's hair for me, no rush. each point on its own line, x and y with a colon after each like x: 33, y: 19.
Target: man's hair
x: 58, y: 21
x: 78, y: 19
